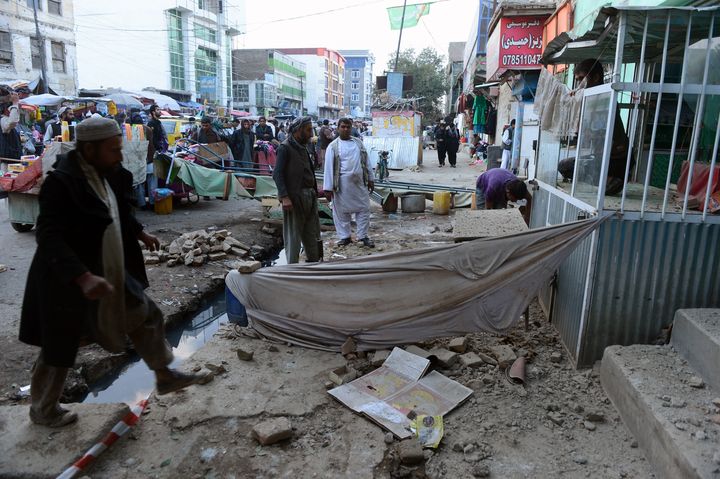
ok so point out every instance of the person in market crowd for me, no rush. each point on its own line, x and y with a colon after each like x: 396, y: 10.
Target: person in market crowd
x: 347, y: 182
x: 87, y: 279
x: 190, y: 128
x: 241, y: 144
x: 274, y: 125
x: 294, y: 176
x: 440, y: 142
x: 263, y: 131
x: 120, y: 118
x: 159, y: 137
x: 355, y: 132
x: 282, y: 134
x: 54, y: 129
x: 507, y: 146
x: 325, y: 136
x: 497, y: 186
x: 206, y: 134
x: 146, y: 189
x: 10, y: 143
x: 452, y: 141
x: 235, y: 124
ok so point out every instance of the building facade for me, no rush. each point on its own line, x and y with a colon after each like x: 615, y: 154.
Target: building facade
x: 265, y: 70
x: 325, y: 80
x: 359, y: 83
x: 454, y: 70
x: 22, y: 52
x: 182, y: 48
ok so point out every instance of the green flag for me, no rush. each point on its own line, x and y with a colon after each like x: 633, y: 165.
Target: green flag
x: 412, y: 15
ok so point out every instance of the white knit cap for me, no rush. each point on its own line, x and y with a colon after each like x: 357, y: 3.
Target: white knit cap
x: 97, y: 128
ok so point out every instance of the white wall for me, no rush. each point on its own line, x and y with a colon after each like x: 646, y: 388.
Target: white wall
x: 314, y: 84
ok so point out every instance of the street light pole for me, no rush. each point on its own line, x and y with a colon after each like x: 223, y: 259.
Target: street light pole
x: 402, y: 24
x: 41, y: 41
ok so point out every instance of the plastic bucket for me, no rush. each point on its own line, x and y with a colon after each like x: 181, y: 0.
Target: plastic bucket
x: 235, y: 311
x: 164, y: 206
x: 441, y: 202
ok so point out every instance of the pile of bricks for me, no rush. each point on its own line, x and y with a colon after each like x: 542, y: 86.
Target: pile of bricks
x: 199, y: 247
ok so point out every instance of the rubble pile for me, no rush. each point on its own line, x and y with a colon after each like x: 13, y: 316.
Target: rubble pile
x: 199, y: 247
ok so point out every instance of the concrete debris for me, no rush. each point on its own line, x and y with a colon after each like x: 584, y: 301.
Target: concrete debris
x: 246, y: 267
x: 389, y: 438
x: 411, y: 452
x: 348, y: 346
x: 471, y: 360
x: 379, y: 357
x: 272, y: 431
x: 269, y: 230
x: 556, y: 357
x: 555, y: 418
x: 215, y: 369
x: 417, y: 351
x: 716, y: 402
x: 716, y: 458
x: 589, y: 426
x: 458, y: 345
x: 696, y: 382
x: 444, y: 357
x: 197, y: 248
x: 3, y: 268
x: 487, y: 359
x: 244, y: 355
x: 480, y: 470
x: 595, y: 417
x: 343, y: 375
x: 504, y: 354
x: 580, y: 460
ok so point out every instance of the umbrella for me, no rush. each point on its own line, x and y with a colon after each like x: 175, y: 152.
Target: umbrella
x: 46, y: 99
x: 163, y: 101
x: 239, y: 113
x: 125, y: 100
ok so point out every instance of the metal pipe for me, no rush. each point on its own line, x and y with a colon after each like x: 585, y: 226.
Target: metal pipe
x: 676, y: 129
x: 698, y: 118
x: 41, y: 41
x: 657, y: 117
x: 634, y: 117
x: 402, y: 24
x: 607, y: 146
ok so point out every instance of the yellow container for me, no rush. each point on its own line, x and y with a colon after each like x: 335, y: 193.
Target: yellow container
x: 65, y: 131
x: 163, y: 206
x: 441, y: 202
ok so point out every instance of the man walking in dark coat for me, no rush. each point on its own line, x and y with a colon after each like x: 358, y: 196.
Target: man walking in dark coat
x: 297, y: 190
x: 441, y: 145
x: 87, y: 279
x: 242, y: 143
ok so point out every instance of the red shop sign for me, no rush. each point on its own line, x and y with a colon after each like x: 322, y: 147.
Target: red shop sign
x: 515, y: 45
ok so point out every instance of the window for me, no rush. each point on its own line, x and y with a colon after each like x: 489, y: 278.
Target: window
x: 58, y: 57
x: 355, y: 86
x: 205, y: 33
x: 335, y: 69
x: 6, y: 57
x: 241, y: 93
x: 205, y: 66
x: 177, y: 55
x: 35, y: 52
x: 202, y: 4
x: 327, y: 97
x: 335, y: 85
x: 327, y: 65
x: 355, y: 74
x: 335, y: 99
x: 55, y: 7
x: 34, y: 3
x: 355, y: 97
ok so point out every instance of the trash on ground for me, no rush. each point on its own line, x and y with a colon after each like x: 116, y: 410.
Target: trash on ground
x: 389, y: 393
x: 428, y: 430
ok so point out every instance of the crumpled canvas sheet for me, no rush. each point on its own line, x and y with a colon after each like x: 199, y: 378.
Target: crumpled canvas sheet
x: 397, y: 298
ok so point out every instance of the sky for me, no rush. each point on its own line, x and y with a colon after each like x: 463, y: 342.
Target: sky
x: 353, y: 25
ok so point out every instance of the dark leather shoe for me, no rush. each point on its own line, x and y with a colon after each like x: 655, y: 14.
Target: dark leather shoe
x: 367, y: 242
x: 344, y: 242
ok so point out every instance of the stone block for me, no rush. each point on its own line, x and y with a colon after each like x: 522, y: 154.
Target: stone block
x: 458, y: 345
x: 248, y: 266
x: 471, y: 360
x: 379, y: 357
x: 411, y: 452
x: 217, y: 256
x: 272, y: 431
x: 504, y: 354
x: 417, y: 351
x: 444, y: 357
x: 238, y: 251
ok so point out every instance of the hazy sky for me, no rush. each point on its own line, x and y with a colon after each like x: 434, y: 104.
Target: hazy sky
x: 353, y: 24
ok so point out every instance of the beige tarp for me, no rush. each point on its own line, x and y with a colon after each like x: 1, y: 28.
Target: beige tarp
x: 405, y: 297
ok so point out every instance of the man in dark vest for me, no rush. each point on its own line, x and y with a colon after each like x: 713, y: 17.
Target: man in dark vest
x: 54, y: 129
x: 10, y: 144
x: 87, y: 278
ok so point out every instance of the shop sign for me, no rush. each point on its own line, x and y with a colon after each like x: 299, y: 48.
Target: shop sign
x: 515, y: 44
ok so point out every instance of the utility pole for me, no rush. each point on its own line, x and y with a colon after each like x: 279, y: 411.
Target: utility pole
x: 41, y: 41
x: 302, y: 96
x: 402, y: 24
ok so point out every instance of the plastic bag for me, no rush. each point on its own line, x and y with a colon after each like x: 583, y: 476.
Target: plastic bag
x: 429, y: 430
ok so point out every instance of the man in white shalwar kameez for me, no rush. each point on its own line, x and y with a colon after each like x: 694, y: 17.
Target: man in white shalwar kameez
x: 347, y: 183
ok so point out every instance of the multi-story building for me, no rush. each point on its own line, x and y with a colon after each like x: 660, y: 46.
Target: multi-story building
x: 454, y: 71
x: 325, y: 80
x: 358, y: 81
x: 265, y: 70
x: 23, y: 52
x: 182, y: 48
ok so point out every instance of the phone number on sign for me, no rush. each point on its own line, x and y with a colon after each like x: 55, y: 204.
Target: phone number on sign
x: 510, y: 60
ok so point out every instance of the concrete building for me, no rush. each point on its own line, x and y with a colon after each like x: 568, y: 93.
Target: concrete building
x: 358, y: 81
x: 21, y: 50
x: 325, y: 80
x: 454, y: 71
x: 180, y: 47
x: 267, y: 81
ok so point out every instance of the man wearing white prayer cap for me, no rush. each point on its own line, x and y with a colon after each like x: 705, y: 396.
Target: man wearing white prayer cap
x: 87, y: 280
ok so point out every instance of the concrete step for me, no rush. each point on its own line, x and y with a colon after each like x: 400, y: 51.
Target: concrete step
x: 696, y: 336
x: 676, y: 425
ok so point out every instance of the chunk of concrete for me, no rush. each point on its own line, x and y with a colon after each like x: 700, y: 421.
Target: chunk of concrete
x: 471, y: 360
x: 418, y: 351
x: 411, y: 452
x: 504, y: 355
x: 272, y: 431
x: 32, y: 451
x: 246, y: 267
x: 379, y: 357
x: 444, y: 357
x: 458, y: 345
x: 696, y: 336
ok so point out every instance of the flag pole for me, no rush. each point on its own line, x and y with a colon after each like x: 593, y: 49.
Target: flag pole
x: 402, y: 24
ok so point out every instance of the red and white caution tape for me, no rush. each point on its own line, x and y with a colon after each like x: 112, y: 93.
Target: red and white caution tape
x: 116, y: 433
